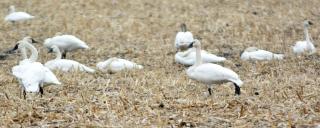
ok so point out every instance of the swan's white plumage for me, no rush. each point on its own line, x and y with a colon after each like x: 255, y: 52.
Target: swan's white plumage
x: 183, y: 38
x: 115, y: 65
x: 253, y: 53
x: 32, y: 74
x: 65, y: 64
x: 211, y: 74
x: 17, y: 16
x: 306, y: 45
x: 65, y: 43
x: 189, y: 57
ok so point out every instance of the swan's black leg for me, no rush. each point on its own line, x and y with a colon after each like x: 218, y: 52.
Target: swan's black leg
x: 24, y: 93
x: 210, y: 91
x: 237, y: 89
x: 64, y: 54
x: 41, y: 91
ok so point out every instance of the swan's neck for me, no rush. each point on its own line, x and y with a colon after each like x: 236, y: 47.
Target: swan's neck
x: 34, y: 52
x: 12, y: 9
x: 58, y: 54
x: 24, y: 53
x: 306, y: 34
x: 198, y: 56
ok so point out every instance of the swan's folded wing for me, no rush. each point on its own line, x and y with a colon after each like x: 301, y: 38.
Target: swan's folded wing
x: 213, y: 72
x: 50, y: 77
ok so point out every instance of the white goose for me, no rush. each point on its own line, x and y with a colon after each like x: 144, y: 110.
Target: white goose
x: 115, y: 65
x: 253, y: 53
x: 14, y: 16
x: 189, y: 57
x: 65, y: 43
x: 65, y: 64
x: 210, y: 74
x: 306, y: 45
x: 183, y: 38
x: 31, y: 74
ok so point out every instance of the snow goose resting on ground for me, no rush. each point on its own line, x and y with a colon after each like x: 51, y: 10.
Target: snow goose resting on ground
x: 65, y: 64
x: 306, y: 45
x: 115, y: 65
x: 14, y: 16
x: 183, y: 38
x: 253, y: 53
x: 210, y: 74
x: 65, y: 43
x: 31, y: 74
x: 189, y: 57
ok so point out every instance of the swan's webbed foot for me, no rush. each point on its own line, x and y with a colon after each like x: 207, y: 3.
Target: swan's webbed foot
x: 237, y: 89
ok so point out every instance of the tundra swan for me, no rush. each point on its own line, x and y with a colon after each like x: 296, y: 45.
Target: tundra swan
x: 189, y: 57
x: 65, y: 64
x: 115, y: 65
x: 306, y: 45
x: 66, y: 43
x: 183, y: 38
x: 253, y: 53
x: 31, y: 74
x: 14, y: 16
x: 211, y: 74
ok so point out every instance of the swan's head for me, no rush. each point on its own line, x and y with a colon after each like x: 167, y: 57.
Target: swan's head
x: 12, y: 9
x: 251, y: 49
x: 58, y: 34
x: 183, y: 27
x: 16, y: 46
x: 196, y: 44
x: 54, y: 48
x: 29, y: 39
x: 307, y: 23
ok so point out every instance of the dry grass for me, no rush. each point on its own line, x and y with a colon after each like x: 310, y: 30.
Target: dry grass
x: 161, y: 95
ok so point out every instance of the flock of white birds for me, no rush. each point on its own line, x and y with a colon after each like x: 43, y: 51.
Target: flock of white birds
x: 32, y: 75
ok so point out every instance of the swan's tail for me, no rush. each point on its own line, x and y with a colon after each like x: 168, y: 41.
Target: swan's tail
x: 238, y: 82
x: 216, y: 59
x: 50, y: 78
x: 278, y: 56
x: 220, y: 59
x: 139, y: 66
x: 85, y: 68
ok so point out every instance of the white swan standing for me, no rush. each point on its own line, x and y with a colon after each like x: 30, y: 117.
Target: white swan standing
x: 183, y: 38
x: 31, y: 74
x: 65, y: 43
x: 253, y: 53
x: 115, y: 65
x: 14, y: 16
x: 65, y: 64
x: 189, y: 57
x: 210, y: 74
x: 306, y: 45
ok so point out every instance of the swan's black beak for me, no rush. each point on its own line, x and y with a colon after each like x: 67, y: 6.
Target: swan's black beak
x: 50, y: 50
x: 33, y: 41
x: 13, y: 49
x: 191, y: 45
x: 310, y: 23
